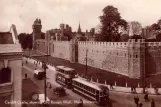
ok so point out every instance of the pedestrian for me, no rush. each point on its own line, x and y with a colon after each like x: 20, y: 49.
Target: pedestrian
x: 111, y: 86
x: 153, y: 103
x: 136, y: 99
x: 26, y: 76
x: 140, y: 105
x: 80, y: 103
x: 146, y: 97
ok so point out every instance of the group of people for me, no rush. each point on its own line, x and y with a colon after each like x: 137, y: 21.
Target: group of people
x: 146, y: 98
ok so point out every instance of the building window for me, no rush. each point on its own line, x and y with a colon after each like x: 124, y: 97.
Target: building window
x: 136, y: 56
x: 5, y: 75
x: 125, y: 55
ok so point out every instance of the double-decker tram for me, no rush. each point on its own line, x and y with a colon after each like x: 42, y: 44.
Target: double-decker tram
x: 98, y: 93
x: 64, y: 80
x: 65, y: 75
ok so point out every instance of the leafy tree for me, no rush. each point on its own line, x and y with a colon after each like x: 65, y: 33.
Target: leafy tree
x: 158, y: 37
x: 21, y: 37
x: 124, y: 38
x: 135, y: 28
x: 111, y: 23
x: 25, y: 40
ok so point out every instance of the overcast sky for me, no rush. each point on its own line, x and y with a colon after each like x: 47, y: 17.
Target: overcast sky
x: 22, y: 13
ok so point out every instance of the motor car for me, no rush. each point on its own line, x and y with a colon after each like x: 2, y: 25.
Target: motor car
x: 60, y: 91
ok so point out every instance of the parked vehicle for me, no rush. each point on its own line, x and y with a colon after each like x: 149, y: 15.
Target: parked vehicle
x: 60, y: 91
x: 39, y: 74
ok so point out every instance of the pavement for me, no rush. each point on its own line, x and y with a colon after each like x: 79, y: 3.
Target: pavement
x: 116, y: 88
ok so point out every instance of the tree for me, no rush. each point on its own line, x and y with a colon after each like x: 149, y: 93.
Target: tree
x: 25, y: 40
x: 98, y: 29
x: 21, y: 37
x: 134, y: 28
x: 111, y: 23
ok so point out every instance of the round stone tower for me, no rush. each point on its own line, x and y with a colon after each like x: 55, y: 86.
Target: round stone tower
x: 36, y: 31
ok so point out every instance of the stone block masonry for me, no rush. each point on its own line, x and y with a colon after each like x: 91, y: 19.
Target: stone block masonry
x: 134, y: 58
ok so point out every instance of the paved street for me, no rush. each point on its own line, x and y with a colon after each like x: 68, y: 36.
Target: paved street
x: 40, y: 83
x: 118, y: 99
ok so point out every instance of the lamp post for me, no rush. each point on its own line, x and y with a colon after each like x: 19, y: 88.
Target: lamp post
x: 45, y: 67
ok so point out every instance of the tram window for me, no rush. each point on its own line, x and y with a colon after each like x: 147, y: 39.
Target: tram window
x: 97, y: 92
x: 104, y: 92
x: 100, y: 93
x: 88, y: 88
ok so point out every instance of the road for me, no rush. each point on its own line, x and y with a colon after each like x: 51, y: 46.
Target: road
x: 118, y: 99
x: 71, y: 96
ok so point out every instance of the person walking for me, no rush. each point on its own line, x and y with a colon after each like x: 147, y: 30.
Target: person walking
x: 153, y: 103
x: 146, y: 97
x: 136, y: 100
x: 140, y: 105
x: 26, y: 76
x: 111, y: 86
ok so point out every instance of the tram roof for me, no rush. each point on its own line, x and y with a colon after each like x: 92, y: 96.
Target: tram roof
x: 65, y: 75
x: 90, y: 84
x: 65, y: 68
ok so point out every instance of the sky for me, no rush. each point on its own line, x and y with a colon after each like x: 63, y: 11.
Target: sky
x: 23, y: 13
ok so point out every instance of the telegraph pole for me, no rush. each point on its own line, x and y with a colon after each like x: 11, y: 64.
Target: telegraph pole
x: 86, y: 62
x: 45, y: 67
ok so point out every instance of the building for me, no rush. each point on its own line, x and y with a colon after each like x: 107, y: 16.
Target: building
x: 10, y: 69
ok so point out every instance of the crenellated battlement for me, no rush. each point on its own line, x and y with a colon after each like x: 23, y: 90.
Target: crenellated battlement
x: 106, y: 44
x: 136, y: 40
x: 153, y: 44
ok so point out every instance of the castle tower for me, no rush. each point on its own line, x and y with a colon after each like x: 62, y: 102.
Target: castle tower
x: 136, y: 55
x: 73, y: 51
x: 62, y: 29
x: 79, y: 29
x: 36, y: 31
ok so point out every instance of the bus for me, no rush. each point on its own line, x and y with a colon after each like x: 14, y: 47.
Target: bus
x: 66, y: 70
x: 95, y: 92
x: 39, y: 74
x: 64, y: 80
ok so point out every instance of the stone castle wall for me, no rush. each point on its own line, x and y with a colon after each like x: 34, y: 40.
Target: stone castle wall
x: 153, y: 58
x: 108, y: 56
x: 131, y: 58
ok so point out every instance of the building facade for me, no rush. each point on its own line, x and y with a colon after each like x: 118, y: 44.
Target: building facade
x: 10, y: 70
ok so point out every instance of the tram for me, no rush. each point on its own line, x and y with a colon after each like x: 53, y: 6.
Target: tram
x: 98, y: 93
x: 64, y: 80
x: 66, y: 70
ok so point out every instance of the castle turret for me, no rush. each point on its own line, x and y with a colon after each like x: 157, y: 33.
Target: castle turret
x: 79, y: 29
x: 36, y: 31
x: 136, y: 55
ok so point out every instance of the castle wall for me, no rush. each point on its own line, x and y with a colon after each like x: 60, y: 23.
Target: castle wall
x: 41, y: 45
x: 153, y: 58
x: 131, y: 58
x: 61, y: 49
x: 109, y: 56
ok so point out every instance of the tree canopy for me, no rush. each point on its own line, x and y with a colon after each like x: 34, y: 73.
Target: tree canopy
x: 25, y: 40
x: 111, y: 23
